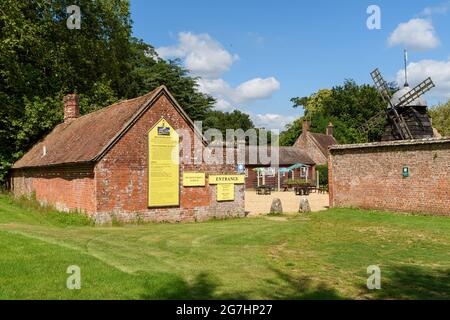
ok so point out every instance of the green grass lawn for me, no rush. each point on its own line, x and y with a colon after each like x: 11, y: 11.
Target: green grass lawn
x: 322, y: 255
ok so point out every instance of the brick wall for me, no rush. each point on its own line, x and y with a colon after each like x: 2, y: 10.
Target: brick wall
x: 122, y: 177
x: 66, y: 188
x: 370, y: 176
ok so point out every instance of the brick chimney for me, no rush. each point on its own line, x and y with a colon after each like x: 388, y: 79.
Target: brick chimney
x: 305, y: 126
x: 330, y: 129
x: 71, y: 107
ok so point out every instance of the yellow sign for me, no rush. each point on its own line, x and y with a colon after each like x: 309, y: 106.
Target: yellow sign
x: 193, y: 179
x: 225, y: 192
x: 164, y: 163
x: 227, y: 179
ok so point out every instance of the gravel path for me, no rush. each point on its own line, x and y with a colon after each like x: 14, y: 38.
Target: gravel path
x: 257, y: 204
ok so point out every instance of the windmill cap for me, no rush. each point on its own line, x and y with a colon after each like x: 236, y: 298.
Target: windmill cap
x: 419, y: 102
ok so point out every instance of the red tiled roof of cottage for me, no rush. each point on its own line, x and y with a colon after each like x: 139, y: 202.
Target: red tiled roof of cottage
x: 83, y: 139
x: 287, y: 155
x: 324, y: 141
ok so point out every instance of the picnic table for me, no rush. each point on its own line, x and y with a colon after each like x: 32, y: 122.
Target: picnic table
x: 305, y: 189
x: 302, y: 190
x: 264, y: 190
x: 322, y: 189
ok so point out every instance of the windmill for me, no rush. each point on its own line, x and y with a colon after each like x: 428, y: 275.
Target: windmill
x: 406, y: 111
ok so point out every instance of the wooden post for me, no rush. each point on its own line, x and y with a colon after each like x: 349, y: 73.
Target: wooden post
x: 317, y: 179
x: 257, y: 178
x: 279, y: 181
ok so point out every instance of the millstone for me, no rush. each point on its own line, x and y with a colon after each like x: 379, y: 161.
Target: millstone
x: 304, y: 206
x: 276, y: 207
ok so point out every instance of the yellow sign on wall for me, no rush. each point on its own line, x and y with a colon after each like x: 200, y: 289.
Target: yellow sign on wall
x: 225, y: 192
x: 164, y: 163
x: 193, y: 179
x: 227, y: 179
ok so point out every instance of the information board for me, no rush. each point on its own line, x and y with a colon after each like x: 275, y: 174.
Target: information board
x: 225, y: 192
x: 164, y: 163
x: 193, y: 179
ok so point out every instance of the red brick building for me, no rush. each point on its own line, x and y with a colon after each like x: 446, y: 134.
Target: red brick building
x: 407, y: 176
x: 98, y: 164
x: 316, y: 144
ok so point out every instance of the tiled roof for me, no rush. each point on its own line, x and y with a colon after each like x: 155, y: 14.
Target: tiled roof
x: 323, y: 141
x: 83, y: 139
x: 287, y: 156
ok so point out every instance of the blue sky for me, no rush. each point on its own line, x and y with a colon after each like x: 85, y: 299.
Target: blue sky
x: 256, y: 55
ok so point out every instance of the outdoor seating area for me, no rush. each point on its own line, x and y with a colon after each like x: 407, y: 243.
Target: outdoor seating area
x: 296, y: 177
x: 264, y: 190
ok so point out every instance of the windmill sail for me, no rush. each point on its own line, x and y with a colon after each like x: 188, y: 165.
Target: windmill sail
x: 381, y: 85
x: 415, y: 93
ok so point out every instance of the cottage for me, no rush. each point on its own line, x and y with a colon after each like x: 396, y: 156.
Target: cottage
x: 316, y: 145
x: 118, y: 163
x: 293, y: 163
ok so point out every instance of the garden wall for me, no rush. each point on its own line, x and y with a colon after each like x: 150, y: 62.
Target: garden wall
x: 371, y: 176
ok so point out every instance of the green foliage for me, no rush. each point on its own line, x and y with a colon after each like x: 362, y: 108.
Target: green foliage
x: 441, y: 118
x: 347, y: 106
x: 41, y: 60
x: 227, y: 120
x: 297, y: 182
x: 323, y: 174
x: 292, y: 132
x: 314, y: 103
x: 27, y: 209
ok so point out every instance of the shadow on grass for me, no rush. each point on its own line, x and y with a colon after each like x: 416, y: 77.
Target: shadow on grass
x: 203, y: 287
x: 207, y: 287
x: 287, y: 287
x: 416, y: 283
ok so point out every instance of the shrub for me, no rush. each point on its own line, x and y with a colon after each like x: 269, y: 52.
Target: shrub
x: 323, y: 174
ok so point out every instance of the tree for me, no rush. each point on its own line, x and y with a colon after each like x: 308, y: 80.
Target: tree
x: 228, y: 120
x: 292, y: 132
x: 347, y: 106
x: 441, y: 118
x: 41, y: 60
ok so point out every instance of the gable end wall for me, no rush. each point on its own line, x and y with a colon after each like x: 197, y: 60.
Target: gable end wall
x: 121, y: 177
x: 307, y: 143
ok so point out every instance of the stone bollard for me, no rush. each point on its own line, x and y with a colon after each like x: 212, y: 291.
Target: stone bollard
x: 276, y: 207
x: 304, y: 205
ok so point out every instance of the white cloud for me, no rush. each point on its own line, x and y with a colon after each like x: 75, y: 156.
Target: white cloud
x: 272, y: 121
x: 439, y: 71
x: 416, y: 34
x: 442, y: 8
x: 255, y: 89
x: 203, y: 55
x: 223, y: 105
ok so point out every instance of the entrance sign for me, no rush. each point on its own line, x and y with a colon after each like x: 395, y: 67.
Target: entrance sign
x: 225, y: 192
x: 164, y: 163
x: 227, y: 179
x: 193, y: 179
